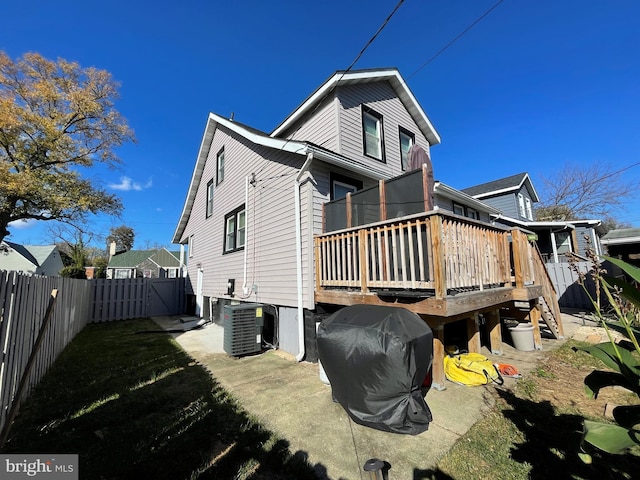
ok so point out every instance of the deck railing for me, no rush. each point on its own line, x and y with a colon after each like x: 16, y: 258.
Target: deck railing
x: 429, y: 251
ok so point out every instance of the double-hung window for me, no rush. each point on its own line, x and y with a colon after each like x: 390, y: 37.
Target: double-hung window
x: 234, y: 230
x: 528, y: 205
x: 521, y: 207
x: 372, y: 134
x: 407, y: 139
x: 209, y: 198
x: 220, y: 167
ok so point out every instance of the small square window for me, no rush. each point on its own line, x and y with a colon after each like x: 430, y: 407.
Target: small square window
x: 407, y: 139
x: 235, y: 230
x: 473, y: 213
x: 220, y: 167
x: 190, y: 245
x: 458, y: 209
x: 372, y: 134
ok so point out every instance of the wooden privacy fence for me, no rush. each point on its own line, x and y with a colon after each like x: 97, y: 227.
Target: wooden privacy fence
x: 128, y: 298
x: 23, y: 302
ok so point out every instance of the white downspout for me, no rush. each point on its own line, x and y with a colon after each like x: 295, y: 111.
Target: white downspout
x: 296, y: 188
x: 245, y: 287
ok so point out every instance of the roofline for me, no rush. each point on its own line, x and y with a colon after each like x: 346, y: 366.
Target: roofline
x: 619, y: 241
x: 509, y: 189
x: 346, y: 78
x: 205, y: 145
x: 552, y: 223
x: 452, y: 193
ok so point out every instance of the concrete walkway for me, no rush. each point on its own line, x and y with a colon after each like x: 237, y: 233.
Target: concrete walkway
x: 289, y: 399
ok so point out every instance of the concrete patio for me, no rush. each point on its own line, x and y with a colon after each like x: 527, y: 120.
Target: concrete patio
x: 290, y: 399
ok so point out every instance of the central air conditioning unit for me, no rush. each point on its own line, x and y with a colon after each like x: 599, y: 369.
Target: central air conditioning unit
x: 243, y: 328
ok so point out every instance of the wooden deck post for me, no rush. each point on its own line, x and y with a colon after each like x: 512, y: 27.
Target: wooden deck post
x: 495, y: 331
x: 364, y: 261
x: 316, y: 248
x: 348, y: 207
x: 535, y: 316
x: 437, y: 369
x: 518, y: 247
x: 439, y: 273
x: 473, y: 333
x: 383, y: 200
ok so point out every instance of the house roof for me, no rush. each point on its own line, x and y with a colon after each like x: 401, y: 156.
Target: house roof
x: 133, y: 258
x: 35, y: 254
x: 503, y: 185
x: 453, y: 194
x: 343, y: 78
x: 621, y: 236
x: 570, y: 224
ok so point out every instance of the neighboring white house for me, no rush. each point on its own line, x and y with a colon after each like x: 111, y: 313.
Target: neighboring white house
x: 33, y: 259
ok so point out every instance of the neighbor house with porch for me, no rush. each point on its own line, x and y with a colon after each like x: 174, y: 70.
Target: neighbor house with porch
x: 328, y: 210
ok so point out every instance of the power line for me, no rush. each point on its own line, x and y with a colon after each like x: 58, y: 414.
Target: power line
x: 368, y: 44
x: 456, y: 38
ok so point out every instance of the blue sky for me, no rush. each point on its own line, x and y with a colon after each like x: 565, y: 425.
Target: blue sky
x: 534, y: 85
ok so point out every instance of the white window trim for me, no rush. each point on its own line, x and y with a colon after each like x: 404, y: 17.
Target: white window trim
x: 347, y: 186
x: 404, y: 157
x: 209, y: 198
x: 377, y: 118
x: 528, y: 207
x: 521, y: 205
x: 220, y: 167
x: 234, y: 217
x: 190, y: 243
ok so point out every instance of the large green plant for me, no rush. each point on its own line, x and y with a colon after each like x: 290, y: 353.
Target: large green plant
x: 622, y: 358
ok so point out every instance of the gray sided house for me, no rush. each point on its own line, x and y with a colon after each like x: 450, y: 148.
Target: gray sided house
x: 33, y: 259
x: 515, y: 196
x: 159, y: 263
x: 255, y: 199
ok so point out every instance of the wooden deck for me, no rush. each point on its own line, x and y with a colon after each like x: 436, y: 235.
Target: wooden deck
x: 445, y: 268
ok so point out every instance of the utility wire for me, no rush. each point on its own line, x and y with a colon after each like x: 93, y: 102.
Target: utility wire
x: 456, y: 38
x: 368, y: 44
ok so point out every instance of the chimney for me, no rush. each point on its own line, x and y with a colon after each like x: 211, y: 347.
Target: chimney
x: 112, y: 249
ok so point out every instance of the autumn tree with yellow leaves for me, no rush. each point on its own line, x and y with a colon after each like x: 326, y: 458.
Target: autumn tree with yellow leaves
x: 55, y: 118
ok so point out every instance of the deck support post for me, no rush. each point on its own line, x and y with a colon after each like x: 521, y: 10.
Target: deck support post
x: 437, y: 369
x: 535, y: 316
x: 473, y: 333
x: 495, y: 331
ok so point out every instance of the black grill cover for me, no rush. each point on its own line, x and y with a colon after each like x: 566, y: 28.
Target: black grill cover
x: 377, y: 359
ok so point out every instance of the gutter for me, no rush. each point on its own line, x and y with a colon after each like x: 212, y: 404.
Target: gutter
x: 296, y: 188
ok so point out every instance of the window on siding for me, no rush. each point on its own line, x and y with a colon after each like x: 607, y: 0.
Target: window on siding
x: 234, y: 230
x: 528, y: 205
x: 521, y: 205
x: 122, y: 273
x: 341, y: 185
x: 220, y: 167
x: 210, y: 198
x: 407, y: 139
x: 458, y: 209
x: 372, y: 134
x: 473, y: 213
x: 190, y: 245
x: 563, y: 242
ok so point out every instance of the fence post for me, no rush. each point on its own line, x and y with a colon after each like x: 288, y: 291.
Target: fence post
x: 439, y: 273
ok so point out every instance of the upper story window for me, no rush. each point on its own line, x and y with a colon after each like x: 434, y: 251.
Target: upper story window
x: 373, y: 141
x: 528, y: 207
x: 407, y: 139
x: 220, y: 167
x: 209, y: 198
x: 234, y: 230
x: 458, y: 209
x: 521, y: 207
x: 473, y: 213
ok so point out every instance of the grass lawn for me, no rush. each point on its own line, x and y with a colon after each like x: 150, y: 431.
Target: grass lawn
x: 136, y: 406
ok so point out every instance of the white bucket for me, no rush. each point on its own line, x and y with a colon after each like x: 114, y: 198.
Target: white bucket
x: 323, y: 375
x: 522, y: 337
